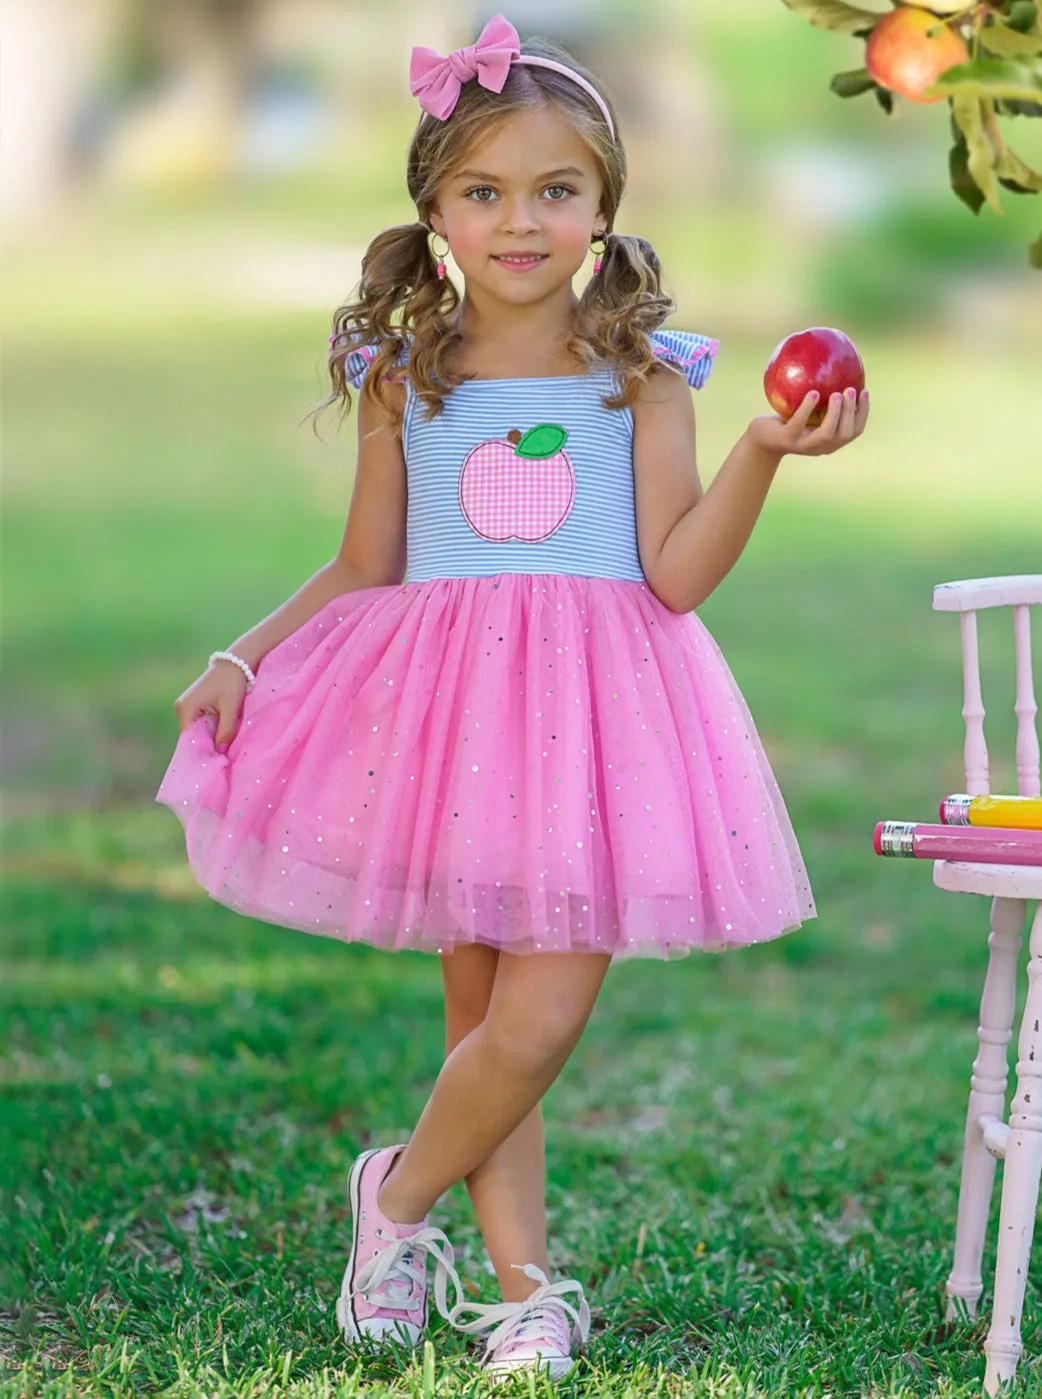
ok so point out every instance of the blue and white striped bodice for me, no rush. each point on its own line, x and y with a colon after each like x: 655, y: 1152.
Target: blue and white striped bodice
x: 527, y: 475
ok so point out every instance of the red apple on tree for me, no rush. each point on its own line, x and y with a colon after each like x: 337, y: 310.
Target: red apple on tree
x: 819, y: 359
x: 986, y: 56
x: 910, y: 48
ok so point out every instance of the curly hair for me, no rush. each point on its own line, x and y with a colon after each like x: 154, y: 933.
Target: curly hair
x: 401, y: 303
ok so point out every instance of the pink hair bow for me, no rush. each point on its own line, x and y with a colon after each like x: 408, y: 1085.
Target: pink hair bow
x: 436, y: 80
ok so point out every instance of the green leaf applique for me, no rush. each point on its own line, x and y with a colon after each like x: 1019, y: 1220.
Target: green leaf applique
x: 541, y: 441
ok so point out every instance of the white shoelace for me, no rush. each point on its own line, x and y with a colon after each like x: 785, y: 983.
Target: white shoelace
x: 388, y: 1279
x: 513, y: 1318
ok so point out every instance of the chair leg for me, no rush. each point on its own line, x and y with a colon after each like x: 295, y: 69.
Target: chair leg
x: 1020, y: 1178
x: 987, y: 1095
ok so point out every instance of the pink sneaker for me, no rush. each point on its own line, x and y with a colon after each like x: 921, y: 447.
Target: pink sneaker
x: 543, y: 1334
x: 383, y: 1294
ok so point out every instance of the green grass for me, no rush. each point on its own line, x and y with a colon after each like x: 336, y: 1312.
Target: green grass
x: 753, y: 1158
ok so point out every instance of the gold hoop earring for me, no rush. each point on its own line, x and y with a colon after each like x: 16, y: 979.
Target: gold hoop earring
x: 439, y: 257
x: 602, y: 238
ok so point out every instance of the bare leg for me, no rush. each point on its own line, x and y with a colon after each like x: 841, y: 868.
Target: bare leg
x: 491, y: 1082
x: 508, y: 1191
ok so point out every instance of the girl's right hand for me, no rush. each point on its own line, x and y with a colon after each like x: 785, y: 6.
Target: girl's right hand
x: 220, y: 690
x: 844, y: 420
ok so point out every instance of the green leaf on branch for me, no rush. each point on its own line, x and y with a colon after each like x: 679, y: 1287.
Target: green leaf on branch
x: 1035, y: 253
x: 980, y: 160
x: 962, y: 181
x: 1017, y: 176
x: 852, y: 84
x: 1007, y: 43
x: 885, y: 98
x: 1017, y: 79
x: 835, y: 14
x: 1018, y: 109
x: 1022, y: 15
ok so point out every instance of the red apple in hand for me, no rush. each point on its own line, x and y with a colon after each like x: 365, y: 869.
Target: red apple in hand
x: 910, y: 49
x: 820, y: 359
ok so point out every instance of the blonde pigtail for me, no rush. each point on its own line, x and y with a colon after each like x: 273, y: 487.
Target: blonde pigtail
x: 619, y: 309
x: 400, y: 301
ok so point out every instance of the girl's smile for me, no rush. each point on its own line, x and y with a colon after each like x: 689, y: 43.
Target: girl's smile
x: 520, y: 262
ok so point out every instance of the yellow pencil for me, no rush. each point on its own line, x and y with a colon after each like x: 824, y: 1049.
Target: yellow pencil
x: 1016, y: 813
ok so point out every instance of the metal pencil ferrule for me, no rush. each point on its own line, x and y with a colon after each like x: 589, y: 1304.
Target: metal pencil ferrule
x: 955, y: 810
x: 897, y: 838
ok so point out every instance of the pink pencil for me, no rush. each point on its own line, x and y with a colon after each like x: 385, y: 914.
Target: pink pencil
x: 978, y: 845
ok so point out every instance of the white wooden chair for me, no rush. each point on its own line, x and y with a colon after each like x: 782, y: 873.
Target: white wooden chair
x: 989, y: 1135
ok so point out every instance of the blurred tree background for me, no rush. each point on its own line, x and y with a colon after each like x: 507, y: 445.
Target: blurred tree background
x: 187, y: 192
x: 772, y: 197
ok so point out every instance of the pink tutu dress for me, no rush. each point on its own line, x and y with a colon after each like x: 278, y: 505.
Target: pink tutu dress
x: 519, y: 745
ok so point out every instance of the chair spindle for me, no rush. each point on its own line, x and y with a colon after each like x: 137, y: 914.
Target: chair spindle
x: 1025, y: 707
x: 975, y: 752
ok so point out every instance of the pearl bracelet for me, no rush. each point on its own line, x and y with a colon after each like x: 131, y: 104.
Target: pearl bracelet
x: 251, y: 679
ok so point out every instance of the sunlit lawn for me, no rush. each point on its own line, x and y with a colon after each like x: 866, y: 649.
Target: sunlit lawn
x: 753, y: 1158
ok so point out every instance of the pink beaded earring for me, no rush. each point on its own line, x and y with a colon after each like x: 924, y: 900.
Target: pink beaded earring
x: 599, y: 252
x: 440, y: 257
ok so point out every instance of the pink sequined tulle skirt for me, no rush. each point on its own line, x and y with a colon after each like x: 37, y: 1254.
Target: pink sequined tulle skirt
x: 539, y: 762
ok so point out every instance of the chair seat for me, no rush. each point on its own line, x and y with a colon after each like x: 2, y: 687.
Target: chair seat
x: 1001, y: 881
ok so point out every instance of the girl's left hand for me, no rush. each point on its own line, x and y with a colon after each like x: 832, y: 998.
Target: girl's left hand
x: 844, y: 419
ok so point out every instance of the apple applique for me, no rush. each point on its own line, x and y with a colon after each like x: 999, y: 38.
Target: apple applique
x: 518, y: 487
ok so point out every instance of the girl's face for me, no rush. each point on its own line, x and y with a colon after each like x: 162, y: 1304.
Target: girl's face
x: 520, y: 211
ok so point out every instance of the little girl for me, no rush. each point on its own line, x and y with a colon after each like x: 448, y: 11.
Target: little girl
x: 491, y: 727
